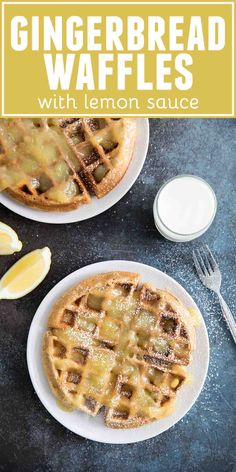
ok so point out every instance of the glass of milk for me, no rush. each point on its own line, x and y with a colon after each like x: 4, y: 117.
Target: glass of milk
x: 184, y: 208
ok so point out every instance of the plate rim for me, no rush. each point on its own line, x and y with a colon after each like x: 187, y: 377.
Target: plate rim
x: 95, y: 267
x: 46, y: 217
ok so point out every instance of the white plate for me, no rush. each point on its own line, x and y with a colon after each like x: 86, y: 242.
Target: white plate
x: 96, y: 206
x: 94, y: 428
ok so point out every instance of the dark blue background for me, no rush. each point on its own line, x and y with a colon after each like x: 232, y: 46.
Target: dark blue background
x: 205, y: 440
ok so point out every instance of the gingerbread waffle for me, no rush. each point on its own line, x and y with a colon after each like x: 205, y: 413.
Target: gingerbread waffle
x: 118, y: 345
x: 58, y: 164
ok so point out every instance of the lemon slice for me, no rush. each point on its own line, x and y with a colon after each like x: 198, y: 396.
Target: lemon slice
x: 9, y: 242
x: 26, y: 274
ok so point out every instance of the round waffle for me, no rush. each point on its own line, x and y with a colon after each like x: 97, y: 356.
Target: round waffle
x: 57, y: 164
x: 117, y: 344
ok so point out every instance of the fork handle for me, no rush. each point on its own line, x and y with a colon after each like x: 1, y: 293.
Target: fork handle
x: 228, y: 316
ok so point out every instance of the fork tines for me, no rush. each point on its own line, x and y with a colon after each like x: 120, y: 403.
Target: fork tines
x: 204, y: 261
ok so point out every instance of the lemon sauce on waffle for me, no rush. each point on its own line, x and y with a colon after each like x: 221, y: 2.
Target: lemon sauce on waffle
x: 58, y: 164
x: 115, y: 344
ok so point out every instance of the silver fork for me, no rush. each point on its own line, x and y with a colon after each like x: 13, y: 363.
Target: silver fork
x: 209, y: 274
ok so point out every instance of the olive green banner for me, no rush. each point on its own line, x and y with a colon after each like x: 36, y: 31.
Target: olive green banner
x: 117, y: 58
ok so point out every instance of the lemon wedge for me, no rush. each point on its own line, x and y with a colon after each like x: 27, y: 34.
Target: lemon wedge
x: 9, y: 242
x: 26, y: 274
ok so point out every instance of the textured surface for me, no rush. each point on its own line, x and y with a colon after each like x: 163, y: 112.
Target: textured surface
x: 31, y: 440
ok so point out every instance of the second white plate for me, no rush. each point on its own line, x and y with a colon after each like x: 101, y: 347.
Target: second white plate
x: 94, y: 428
x: 96, y: 206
